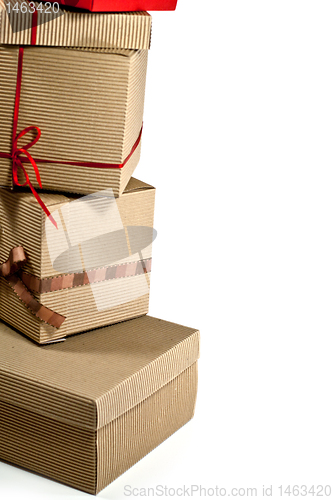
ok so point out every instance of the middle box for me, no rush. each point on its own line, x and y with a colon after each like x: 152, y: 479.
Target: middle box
x: 94, y: 270
x: 79, y: 116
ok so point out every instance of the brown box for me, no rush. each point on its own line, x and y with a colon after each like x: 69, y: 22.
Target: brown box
x: 85, y: 410
x: 40, y: 24
x: 94, y: 270
x: 88, y: 105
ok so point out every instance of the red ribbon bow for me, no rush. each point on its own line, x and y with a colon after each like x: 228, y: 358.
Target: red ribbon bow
x: 18, y: 152
x: 18, y: 164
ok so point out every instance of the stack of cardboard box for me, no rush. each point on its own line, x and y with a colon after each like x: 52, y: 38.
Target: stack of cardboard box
x: 76, y: 248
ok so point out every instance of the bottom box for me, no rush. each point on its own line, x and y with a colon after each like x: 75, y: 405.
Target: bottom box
x: 85, y: 410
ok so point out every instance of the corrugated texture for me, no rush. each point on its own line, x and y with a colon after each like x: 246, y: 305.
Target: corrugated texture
x: 64, y: 407
x: 131, y: 30
x: 43, y: 445
x: 88, y: 460
x: 127, y: 439
x: 77, y: 305
x: 92, y: 379
x: 147, y: 380
x: 22, y: 223
x: 12, y: 311
x: 91, y: 114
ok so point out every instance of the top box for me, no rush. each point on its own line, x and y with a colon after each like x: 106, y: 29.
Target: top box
x: 48, y: 24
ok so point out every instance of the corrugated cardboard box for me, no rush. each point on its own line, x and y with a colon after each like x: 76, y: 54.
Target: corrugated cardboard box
x: 87, y: 104
x: 94, y: 270
x: 39, y: 24
x: 85, y: 410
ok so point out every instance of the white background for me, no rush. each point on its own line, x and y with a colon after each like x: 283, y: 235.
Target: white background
x: 238, y: 141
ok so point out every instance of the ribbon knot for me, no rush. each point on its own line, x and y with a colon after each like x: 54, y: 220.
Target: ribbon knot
x: 16, y: 153
x: 19, y: 156
x: 18, y: 161
x: 8, y: 270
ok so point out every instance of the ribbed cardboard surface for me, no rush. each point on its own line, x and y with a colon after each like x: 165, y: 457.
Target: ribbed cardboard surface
x: 23, y: 223
x: 92, y: 113
x: 84, y: 411
x: 125, y: 30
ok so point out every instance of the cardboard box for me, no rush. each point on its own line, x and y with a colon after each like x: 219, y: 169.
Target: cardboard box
x: 85, y: 410
x: 94, y: 270
x: 40, y: 24
x: 90, y: 117
x: 120, y: 5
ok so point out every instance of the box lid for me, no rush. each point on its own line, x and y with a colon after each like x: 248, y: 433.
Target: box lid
x: 36, y: 23
x: 92, y: 378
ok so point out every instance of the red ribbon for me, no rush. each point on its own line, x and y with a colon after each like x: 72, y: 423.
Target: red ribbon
x: 34, y: 21
x: 16, y: 153
x: 19, y: 156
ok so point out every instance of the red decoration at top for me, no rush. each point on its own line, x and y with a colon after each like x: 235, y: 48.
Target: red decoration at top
x: 119, y: 5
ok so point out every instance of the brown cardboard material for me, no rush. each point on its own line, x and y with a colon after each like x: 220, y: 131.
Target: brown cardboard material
x: 92, y: 113
x: 23, y: 223
x: 84, y: 411
x: 67, y: 28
